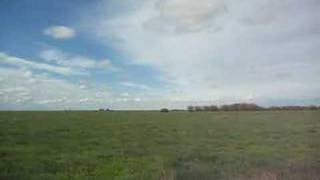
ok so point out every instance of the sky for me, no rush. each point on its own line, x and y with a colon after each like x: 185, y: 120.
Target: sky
x: 150, y: 54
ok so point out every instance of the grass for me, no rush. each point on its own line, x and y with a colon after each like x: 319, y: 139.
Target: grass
x: 162, y: 146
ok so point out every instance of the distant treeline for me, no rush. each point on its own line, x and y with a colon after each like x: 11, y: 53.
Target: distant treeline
x: 248, y: 107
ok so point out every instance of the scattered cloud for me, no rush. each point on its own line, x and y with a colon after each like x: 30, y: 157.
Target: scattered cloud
x: 23, y: 89
x: 60, y: 32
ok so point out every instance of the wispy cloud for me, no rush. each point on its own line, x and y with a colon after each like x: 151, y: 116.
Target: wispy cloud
x: 24, y: 63
x: 135, y: 85
x: 60, y: 32
x: 75, y: 61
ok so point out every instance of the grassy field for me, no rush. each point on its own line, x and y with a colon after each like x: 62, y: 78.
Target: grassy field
x: 161, y: 146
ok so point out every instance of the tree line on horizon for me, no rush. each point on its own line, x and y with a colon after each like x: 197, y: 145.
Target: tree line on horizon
x: 248, y: 107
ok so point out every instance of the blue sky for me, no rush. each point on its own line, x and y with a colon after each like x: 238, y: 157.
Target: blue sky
x: 149, y: 54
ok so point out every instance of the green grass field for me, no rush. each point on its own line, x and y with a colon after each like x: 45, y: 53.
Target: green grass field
x: 161, y: 146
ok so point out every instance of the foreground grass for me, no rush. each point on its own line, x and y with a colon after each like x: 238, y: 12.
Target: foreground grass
x: 154, y: 145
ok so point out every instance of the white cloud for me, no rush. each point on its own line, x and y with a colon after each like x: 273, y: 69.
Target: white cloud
x: 51, y: 101
x: 185, y: 15
x: 125, y: 94
x: 135, y: 85
x: 24, y: 63
x: 59, y: 32
x: 84, y: 100
x: 75, y: 61
x: 221, y: 50
x: 82, y: 86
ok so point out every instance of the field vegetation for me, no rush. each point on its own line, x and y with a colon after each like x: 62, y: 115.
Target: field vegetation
x: 263, y: 145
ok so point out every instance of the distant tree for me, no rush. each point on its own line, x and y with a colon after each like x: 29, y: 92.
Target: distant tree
x: 165, y: 110
x: 292, y: 108
x: 225, y: 108
x: 190, y: 108
x: 177, y: 110
x: 198, y: 108
x: 274, y: 108
x: 213, y: 108
x: 249, y: 107
x: 241, y: 107
x: 206, y: 108
x: 312, y: 107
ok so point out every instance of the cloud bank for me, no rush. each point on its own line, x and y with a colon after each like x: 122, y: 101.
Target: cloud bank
x: 221, y: 50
